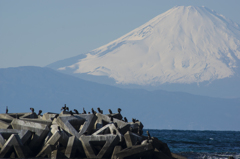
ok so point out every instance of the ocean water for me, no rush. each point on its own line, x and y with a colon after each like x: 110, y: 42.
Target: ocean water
x: 201, y: 144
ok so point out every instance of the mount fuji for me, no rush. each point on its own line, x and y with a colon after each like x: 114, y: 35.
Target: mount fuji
x: 189, y: 49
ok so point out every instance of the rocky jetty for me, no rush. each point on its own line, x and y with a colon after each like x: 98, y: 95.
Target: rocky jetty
x: 71, y: 134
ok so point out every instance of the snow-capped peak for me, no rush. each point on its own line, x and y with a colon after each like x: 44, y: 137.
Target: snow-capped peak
x: 183, y: 45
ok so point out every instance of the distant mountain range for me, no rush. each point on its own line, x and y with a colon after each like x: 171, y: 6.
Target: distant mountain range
x: 48, y: 90
x: 189, y: 49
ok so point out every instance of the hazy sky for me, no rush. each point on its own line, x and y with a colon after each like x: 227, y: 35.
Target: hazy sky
x: 40, y: 32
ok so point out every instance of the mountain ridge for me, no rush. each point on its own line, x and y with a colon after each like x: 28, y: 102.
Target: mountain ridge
x: 184, y: 45
x: 46, y: 89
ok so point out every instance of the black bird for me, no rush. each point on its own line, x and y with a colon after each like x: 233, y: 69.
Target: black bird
x: 6, y: 109
x: 111, y: 118
x: 84, y: 112
x: 125, y: 119
x: 119, y: 110
x: 40, y: 111
x: 67, y: 109
x: 59, y: 128
x: 93, y: 111
x: 89, y: 113
x: 149, y: 136
x: 64, y: 108
x: 110, y: 111
x: 133, y: 120
x: 99, y: 110
x: 32, y: 109
x: 71, y: 112
x: 76, y: 111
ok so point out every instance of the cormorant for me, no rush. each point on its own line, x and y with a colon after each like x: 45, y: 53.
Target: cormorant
x: 125, y: 119
x: 64, y: 108
x: 40, y: 111
x: 32, y: 109
x: 71, y: 112
x: 110, y: 111
x: 119, y: 110
x: 84, y: 112
x: 59, y: 128
x: 133, y: 120
x: 6, y: 109
x: 99, y: 110
x: 67, y: 109
x: 111, y: 118
x: 93, y: 111
x: 76, y: 111
x: 149, y: 136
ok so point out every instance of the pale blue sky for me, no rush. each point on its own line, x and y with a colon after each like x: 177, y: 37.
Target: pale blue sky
x: 39, y: 32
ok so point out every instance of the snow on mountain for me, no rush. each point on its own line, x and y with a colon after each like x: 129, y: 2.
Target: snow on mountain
x: 183, y: 45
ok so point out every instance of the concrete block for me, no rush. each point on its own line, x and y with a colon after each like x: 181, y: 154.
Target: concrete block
x: 5, y: 125
x: 2, y: 141
x: 143, y: 151
x: 99, y: 146
x: 15, y: 142
x: 71, y: 124
x: 40, y: 121
x: 45, y: 152
x: 103, y: 120
x: 40, y: 131
x: 48, y: 116
x: 57, y: 154
x: 109, y: 129
x: 23, y: 134
x: 54, y: 138
x: 78, y: 124
x: 74, y: 148
x: 6, y: 116
x: 115, y: 151
x: 132, y: 139
x: 88, y: 125
x: 29, y: 115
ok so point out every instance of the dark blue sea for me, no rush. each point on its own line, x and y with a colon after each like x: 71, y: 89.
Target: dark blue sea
x: 201, y: 144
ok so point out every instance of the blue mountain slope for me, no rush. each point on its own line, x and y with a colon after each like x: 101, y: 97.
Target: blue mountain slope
x: 48, y: 90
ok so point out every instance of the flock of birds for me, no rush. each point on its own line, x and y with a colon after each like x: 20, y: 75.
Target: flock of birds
x: 65, y: 108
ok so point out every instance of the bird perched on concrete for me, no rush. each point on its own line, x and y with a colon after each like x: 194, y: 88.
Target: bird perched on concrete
x: 133, y: 120
x: 71, y: 112
x: 84, y: 112
x: 67, y: 109
x: 6, y: 109
x: 125, y: 119
x: 99, y: 110
x: 93, y: 111
x: 110, y: 111
x: 111, y: 118
x: 32, y: 109
x: 39, y: 112
x: 76, y: 111
x: 149, y: 136
x: 64, y: 108
x: 59, y: 128
x: 119, y: 110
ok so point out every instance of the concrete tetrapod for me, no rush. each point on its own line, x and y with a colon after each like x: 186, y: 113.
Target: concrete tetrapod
x: 74, y: 135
